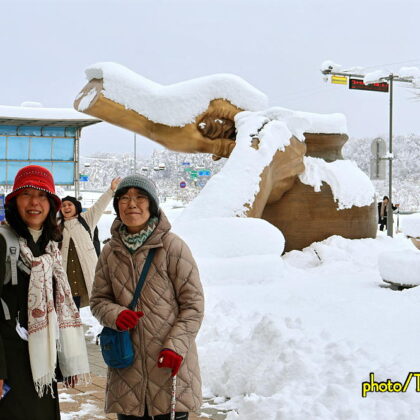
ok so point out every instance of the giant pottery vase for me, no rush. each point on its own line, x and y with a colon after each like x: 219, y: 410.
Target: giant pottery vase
x: 305, y: 216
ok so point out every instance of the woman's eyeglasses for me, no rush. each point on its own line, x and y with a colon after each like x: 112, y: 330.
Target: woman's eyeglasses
x: 138, y: 199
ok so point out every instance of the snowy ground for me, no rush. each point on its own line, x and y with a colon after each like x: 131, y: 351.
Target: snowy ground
x: 294, y: 337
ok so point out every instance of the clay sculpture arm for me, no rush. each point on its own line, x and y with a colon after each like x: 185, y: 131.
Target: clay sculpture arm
x: 212, y: 131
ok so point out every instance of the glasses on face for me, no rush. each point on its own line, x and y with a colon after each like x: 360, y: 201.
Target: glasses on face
x: 138, y: 199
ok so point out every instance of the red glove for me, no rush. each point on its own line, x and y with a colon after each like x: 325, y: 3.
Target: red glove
x: 170, y: 359
x: 128, y: 319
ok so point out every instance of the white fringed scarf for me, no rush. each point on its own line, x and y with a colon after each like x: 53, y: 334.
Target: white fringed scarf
x: 53, y: 329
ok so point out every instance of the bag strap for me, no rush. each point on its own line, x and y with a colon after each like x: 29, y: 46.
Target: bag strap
x: 143, y: 275
x: 12, y: 251
x: 84, y: 223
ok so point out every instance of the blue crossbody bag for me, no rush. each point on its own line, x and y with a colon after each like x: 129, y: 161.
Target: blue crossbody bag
x: 116, y: 346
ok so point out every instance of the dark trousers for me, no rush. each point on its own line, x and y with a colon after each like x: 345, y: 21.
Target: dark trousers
x: 77, y: 301
x: 382, y: 223
x: 178, y: 416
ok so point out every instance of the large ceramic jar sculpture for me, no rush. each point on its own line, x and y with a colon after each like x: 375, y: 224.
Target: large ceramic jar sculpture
x: 301, y: 213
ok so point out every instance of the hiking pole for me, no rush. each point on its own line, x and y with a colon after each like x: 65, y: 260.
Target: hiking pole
x: 173, y: 399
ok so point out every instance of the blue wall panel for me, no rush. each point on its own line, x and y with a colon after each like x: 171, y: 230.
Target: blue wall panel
x: 41, y: 148
x: 29, y: 130
x: 45, y: 146
x: 18, y: 148
x: 10, y: 130
x: 53, y: 131
x: 2, y: 147
x: 63, y: 172
x: 63, y: 149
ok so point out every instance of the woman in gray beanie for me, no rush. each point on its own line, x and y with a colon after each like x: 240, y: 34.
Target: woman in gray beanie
x: 168, y: 315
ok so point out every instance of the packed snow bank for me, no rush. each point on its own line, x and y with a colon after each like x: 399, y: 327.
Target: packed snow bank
x: 301, y: 345
x: 350, y: 186
x: 410, y: 225
x: 295, y: 339
x: 257, y: 237
x: 234, y: 249
x: 174, y: 105
x: 401, y: 267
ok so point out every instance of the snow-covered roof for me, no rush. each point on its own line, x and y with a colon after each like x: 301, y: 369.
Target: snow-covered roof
x: 30, y: 115
x: 177, y: 104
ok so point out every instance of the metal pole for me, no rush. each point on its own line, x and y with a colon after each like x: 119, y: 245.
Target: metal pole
x: 135, y: 153
x: 390, y: 221
x: 76, y: 165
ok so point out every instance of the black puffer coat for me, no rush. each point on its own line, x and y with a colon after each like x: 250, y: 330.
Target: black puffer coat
x: 22, y: 401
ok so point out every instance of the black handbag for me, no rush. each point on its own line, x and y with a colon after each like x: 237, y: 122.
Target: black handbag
x: 116, y: 346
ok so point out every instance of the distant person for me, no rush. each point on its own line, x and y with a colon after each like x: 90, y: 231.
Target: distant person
x: 40, y: 327
x: 78, y: 249
x: 383, y: 212
x: 168, y: 314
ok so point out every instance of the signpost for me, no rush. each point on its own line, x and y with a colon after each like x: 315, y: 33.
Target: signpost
x: 182, y: 184
x: 378, y: 161
x: 384, y: 84
x: 377, y: 87
x: 83, y: 178
x: 339, y: 80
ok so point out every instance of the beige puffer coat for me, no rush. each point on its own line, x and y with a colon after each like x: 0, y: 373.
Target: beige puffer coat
x: 173, y: 303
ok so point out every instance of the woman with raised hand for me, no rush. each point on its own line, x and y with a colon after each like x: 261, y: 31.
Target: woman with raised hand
x: 40, y: 327
x: 78, y: 250
x: 164, y: 323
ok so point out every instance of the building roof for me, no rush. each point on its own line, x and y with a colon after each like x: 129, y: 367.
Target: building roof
x: 38, y: 116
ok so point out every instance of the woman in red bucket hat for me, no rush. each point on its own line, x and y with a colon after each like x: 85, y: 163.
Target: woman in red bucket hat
x: 40, y: 328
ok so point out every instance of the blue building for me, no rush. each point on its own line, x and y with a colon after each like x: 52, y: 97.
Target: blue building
x: 41, y: 136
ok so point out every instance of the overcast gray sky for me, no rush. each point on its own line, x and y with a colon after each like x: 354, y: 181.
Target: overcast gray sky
x: 277, y: 46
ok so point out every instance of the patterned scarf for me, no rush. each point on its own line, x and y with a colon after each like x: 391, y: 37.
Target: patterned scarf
x: 53, y: 329
x: 133, y: 241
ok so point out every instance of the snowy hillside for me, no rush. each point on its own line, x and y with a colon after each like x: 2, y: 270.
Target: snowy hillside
x: 406, y: 168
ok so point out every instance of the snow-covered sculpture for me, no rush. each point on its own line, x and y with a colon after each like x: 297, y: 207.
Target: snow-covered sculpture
x: 284, y: 166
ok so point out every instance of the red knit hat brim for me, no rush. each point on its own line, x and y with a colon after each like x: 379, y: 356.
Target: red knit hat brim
x: 34, y: 176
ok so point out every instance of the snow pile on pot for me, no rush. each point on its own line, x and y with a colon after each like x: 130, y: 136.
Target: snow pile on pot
x: 349, y: 185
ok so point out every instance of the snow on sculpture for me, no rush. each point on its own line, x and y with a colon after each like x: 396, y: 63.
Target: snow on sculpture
x: 284, y: 166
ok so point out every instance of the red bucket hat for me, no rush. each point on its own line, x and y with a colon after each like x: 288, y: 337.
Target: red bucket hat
x: 34, y: 176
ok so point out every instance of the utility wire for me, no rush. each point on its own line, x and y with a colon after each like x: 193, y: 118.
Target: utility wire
x: 416, y: 60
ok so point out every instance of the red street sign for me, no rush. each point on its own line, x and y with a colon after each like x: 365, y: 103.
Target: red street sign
x: 358, y: 84
x: 182, y: 184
